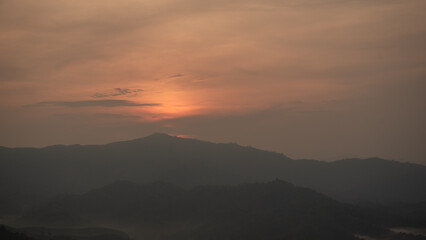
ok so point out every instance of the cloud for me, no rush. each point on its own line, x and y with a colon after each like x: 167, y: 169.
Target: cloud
x: 177, y: 75
x: 96, y: 116
x: 118, y: 92
x: 116, y: 116
x: 93, y: 103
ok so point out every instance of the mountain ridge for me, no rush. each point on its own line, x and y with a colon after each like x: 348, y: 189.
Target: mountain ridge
x: 160, y: 136
x: 273, y: 209
x: 37, y: 173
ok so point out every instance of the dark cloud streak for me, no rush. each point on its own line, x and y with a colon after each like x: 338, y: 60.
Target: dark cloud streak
x: 118, y: 92
x: 93, y: 103
x: 177, y: 76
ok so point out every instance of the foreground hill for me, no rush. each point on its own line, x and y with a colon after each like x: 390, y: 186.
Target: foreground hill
x: 43, y: 233
x: 7, y: 233
x: 274, y: 210
x: 29, y: 174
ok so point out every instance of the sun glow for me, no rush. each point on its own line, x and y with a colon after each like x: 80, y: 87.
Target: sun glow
x: 172, y: 104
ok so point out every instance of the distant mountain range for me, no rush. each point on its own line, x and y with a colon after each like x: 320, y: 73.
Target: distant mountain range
x: 274, y: 210
x: 28, y: 175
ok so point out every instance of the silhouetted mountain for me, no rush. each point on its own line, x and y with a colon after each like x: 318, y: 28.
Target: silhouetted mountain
x: 7, y: 233
x: 274, y: 210
x: 31, y: 174
x: 42, y: 233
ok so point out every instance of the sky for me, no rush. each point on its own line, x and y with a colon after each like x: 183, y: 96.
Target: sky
x: 318, y: 79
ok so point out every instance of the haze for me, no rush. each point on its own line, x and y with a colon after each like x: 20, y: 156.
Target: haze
x: 323, y: 79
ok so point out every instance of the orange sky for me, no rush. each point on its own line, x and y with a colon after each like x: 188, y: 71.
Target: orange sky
x: 313, y: 79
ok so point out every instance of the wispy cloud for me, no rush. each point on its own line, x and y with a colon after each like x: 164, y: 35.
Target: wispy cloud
x: 118, y: 92
x: 93, y: 103
x: 116, y: 116
x: 96, y: 116
x: 177, y: 75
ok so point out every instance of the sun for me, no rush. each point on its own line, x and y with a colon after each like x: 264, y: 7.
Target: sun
x: 171, y: 104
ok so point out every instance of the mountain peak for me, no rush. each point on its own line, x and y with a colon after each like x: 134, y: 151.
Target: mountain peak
x: 158, y: 136
x: 155, y: 137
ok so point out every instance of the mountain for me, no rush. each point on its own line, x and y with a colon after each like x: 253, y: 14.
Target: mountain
x: 7, y: 233
x: 42, y: 233
x: 273, y: 210
x: 28, y: 175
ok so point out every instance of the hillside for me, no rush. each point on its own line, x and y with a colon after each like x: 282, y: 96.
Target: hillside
x: 273, y: 210
x: 28, y: 175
